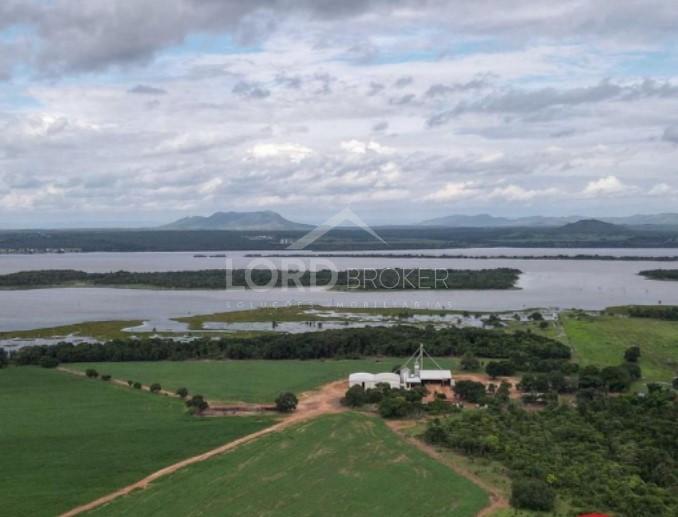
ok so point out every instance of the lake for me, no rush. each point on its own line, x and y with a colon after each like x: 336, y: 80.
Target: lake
x: 586, y: 284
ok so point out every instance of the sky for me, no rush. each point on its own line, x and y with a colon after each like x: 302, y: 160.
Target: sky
x: 136, y: 113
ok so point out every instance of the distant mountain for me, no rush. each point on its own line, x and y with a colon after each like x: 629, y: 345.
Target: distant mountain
x: 488, y: 221
x: 264, y: 221
x: 593, y: 226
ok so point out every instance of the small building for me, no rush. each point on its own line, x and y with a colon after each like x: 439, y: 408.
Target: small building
x: 406, y: 378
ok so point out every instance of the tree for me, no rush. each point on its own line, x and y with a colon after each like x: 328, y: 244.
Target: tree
x: 675, y: 383
x: 155, y: 387
x: 355, y: 396
x: 3, y: 358
x: 48, y: 362
x: 469, y: 362
x: 91, y: 373
x: 182, y: 392
x: 532, y: 494
x: 470, y: 391
x: 105, y: 377
x: 503, y: 392
x: 197, y: 404
x: 286, y: 402
x: 136, y: 385
x: 617, y: 378
x: 632, y: 354
x: 536, y: 316
x: 394, y: 407
x: 499, y: 368
x: 130, y: 383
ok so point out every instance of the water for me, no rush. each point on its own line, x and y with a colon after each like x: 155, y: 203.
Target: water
x: 585, y: 284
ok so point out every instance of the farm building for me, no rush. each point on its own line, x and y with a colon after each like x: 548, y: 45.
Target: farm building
x: 406, y: 378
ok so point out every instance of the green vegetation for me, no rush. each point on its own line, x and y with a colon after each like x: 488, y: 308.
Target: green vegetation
x: 343, y: 465
x: 66, y: 440
x: 357, y: 279
x: 240, y: 381
x: 603, y: 340
x: 617, y: 454
x: 660, y: 274
x: 101, y: 330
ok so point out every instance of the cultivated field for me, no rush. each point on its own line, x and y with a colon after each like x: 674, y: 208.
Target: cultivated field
x: 602, y: 341
x: 243, y: 381
x: 66, y: 440
x: 347, y: 464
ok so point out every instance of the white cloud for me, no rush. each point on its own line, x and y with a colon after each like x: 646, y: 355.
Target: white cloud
x: 454, y: 192
x: 605, y: 187
x: 293, y: 152
x: 359, y: 147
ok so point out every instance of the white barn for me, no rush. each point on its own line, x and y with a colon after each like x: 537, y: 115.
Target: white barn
x: 370, y: 380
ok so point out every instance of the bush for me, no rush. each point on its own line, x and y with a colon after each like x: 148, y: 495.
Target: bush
x: 4, y: 360
x: 106, y: 377
x: 675, y: 383
x: 469, y: 362
x: 197, y: 404
x: 130, y: 383
x: 394, y: 407
x: 470, y: 391
x: 155, y: 387
x: 617, y: 378
x: 499, y: 369
x: 532, y: 494
x: 355, y: 396
x: 48, y: 362
x: 136, y: 385
x: 182, y: 392
x: 91, y: 373
x: 632, y: 354
x: 286, y: 402
x: 536, y: 316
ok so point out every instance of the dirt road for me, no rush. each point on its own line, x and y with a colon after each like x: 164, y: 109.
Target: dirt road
x: 325, y: 400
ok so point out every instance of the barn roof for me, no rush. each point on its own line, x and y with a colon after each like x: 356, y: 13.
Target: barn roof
x: 435, y: 375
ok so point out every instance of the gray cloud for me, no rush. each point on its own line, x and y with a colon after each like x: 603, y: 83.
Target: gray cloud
x: 403, y: 81
x: 250, y: 90
x: 671, y: 134
x: 402, y: 100
x: 380, y: 126
x: 147, y: 90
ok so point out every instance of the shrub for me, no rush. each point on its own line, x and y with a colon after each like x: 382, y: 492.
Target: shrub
x: 394, y: 407
x: 130, y: 383
x: 155, y: 387
x: 617, y: 378
x: 532, y: 494
x: 499, y: 369
x: 48, y: 362
x: 91, y: 373
x: 136, y: 385
x: 675, y: 383
x: 286, y: 402
x: 4, y: 360
x: 469, y: 362
x: 536, y: 316
x: 106, y: 377
x: 197, y: 404
x: 470, y: 391
x: 182, y: 392
x: 355, y: 396
x: 632, y: 354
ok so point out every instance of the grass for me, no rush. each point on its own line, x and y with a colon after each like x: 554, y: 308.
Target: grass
x: 339, y: 465
x: 101, y: 330
x: 602, y: 340
x: 244, y: 381
x: 66, y: 440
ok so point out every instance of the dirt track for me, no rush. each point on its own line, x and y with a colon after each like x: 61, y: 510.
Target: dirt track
x: 311, y: 404
x: 497, y: 500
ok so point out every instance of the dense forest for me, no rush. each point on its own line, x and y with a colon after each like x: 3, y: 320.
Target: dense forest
x: 618, y: 454
x: 527, y: 351
x: 501, y: 278
x: 341, y: 239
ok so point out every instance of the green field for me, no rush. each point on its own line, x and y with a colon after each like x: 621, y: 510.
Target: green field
x: 66, y: 440
x: 340, y: 465
x: 243, y: 381
x: 602, y: 340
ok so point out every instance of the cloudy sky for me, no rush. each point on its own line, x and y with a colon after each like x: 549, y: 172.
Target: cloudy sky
x: 122, y: 112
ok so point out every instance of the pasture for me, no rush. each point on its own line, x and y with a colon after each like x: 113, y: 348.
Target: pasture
x: 66, y: 440
x: 340, y: 465
x: 242, y: 380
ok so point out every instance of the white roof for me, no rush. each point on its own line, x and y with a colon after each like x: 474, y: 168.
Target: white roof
x: 435, y: 375
x: 361, y: 376
x: 387, y: 377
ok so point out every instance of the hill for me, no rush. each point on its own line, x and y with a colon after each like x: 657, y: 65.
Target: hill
x: 593, y: 226
x: 489, y: 221
x: 240, y: 221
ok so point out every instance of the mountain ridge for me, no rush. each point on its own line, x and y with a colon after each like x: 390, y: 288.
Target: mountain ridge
x: 489, y: 221
x: 265, y: 220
